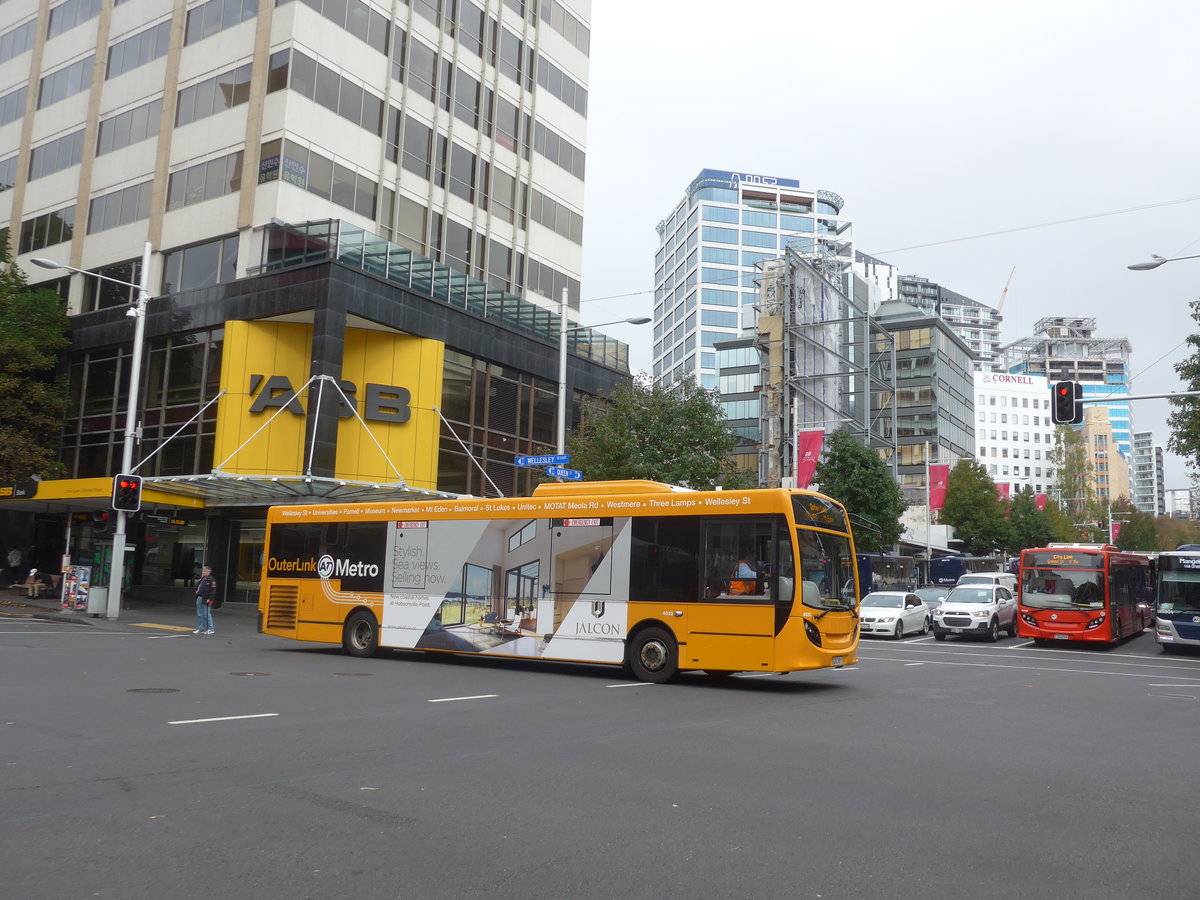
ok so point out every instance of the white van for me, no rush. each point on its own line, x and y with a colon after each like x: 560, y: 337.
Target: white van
x: 1004, y: 579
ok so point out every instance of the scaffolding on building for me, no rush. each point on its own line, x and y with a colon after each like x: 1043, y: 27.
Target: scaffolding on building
x: 1065, y: 348
x: 823, y: 360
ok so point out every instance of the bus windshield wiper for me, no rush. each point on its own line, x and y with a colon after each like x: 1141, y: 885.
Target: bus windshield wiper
x: 850, y: 609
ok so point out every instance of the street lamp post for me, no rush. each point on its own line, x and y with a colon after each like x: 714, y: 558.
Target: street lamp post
x: 563, y: 330
x: 1155, y: 261
x: 137, y: 312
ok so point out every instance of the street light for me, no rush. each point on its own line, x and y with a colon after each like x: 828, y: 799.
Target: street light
x: 1155, y: 261
x: 137, y: 312
x: 563, y: 329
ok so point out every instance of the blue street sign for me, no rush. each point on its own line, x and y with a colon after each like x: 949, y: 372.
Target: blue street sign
x: 560, y: 472
x: 560, y: 460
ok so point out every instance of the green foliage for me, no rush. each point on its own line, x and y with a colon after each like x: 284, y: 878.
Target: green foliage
x: 1185, y: 419
x: 974, y: 510
x: 1139, y: 532
x: 33, y: 393
x: 1027, y: 526
x: 674, y: 434
x: 860, y: 480
x: 1172, y: 532
x: 1069, y: 456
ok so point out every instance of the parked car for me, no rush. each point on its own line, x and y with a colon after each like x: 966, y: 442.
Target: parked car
x: 893, y: 612
x: 982, y: 610
x: 933, y: 595
x: 1004, y: 579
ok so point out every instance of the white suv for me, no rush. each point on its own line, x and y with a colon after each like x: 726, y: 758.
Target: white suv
x: 1004, y: 579
x: 982, y: 610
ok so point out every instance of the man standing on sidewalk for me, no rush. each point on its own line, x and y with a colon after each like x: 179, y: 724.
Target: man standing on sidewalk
x: 206, y: 594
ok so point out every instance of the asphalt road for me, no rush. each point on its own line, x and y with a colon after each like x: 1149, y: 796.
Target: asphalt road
x: 144, y: 762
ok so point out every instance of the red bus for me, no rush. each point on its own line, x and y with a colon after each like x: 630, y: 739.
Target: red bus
x: 1084, y: 592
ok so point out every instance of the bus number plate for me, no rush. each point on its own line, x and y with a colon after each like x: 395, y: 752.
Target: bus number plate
x: 1060, y: 637
x: 839, y: 661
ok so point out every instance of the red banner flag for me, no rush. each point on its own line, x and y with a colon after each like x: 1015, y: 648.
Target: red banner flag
x: 1039, y: 502
x: 1002, y: 489
x: 939, y: 477
x: 1116, y: 530
x: 808, y: 451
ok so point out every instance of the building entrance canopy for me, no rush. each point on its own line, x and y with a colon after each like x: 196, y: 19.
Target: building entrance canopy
x: 213, y: 491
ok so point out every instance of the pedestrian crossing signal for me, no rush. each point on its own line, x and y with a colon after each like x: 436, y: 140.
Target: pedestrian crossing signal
x: 127, y: 493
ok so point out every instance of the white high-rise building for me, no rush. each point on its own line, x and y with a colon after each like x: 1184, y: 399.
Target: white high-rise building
x: 195, y: 125
x: 1146, y: 483
x: 705, y: 282
x: 1013, y: 431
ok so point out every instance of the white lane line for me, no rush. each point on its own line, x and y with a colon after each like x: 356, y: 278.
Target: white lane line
x: 915, y: 664
x: 756, y: 674
x: 918, y: 640
x: 632, y: 684
x: 222, y: 719
x: 472, y: 697
x: 166, y: 637
x: 1019, y: 646
x: 1155, y: 684
x: 1032, y: 668
x: 1173, y: 696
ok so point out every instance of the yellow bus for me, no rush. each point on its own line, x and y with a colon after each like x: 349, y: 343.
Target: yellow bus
x: 632, y: 573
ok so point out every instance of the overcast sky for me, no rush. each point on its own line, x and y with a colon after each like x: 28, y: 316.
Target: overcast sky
x: 936, y: 120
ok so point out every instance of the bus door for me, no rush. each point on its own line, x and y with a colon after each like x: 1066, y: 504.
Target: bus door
x: 734, y: 624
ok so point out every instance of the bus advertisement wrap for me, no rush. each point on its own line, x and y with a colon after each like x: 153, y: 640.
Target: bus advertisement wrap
x: 714, y: 583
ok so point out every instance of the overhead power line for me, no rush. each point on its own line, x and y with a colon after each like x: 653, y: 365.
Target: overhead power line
x: 1100, y: 215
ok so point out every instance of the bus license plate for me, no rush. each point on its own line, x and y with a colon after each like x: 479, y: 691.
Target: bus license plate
x: 1061, y: 637
x: 839, y: 661
x: 956, y: 631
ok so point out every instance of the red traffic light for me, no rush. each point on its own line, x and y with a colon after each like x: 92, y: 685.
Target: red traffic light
x: 127, y: 493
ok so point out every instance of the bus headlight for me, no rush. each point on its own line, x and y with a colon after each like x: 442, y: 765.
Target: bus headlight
x: 813, y: 632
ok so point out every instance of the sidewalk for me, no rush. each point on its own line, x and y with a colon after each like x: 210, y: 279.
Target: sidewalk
x: 172, y: 614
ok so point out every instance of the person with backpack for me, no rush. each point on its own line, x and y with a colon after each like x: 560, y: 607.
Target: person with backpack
x: 206, y: 601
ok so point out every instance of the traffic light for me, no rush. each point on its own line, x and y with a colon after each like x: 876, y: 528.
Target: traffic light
x: 127, y: 493
x: 1066, y: 404
x: 101, y: 520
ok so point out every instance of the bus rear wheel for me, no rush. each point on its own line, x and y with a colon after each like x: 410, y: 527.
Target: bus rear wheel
x: 360, y: 634
x: 653, y: 656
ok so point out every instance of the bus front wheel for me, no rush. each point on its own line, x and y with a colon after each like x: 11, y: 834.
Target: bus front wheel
x: 360, y: 635
x: 653, y: 656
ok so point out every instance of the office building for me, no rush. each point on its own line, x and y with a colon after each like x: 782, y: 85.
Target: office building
x: 1013, y: 432
x: 1147, y: 486
x: 363, y: 220
x: 1067, y: 348
x: 710, y: 249
x: 976, y: 323
x: 1108, y: 476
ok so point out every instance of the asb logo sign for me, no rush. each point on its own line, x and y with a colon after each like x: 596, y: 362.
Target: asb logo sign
x: 381, y: 402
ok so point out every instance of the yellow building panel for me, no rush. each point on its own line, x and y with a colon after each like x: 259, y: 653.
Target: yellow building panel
x: 261, y: 363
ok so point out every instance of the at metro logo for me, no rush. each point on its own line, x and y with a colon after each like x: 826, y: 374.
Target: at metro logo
x: 381, y: 402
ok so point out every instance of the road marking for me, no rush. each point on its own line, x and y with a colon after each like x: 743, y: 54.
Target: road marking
x: 1153, y: 684
x: 164, y: 637
x: 915, y: 664
x: 756, y: 674
x: 632, y: 684
x: 1032, y: 668
x: 472, y: 697
x: 1173, y: 696
x: 1018, y: 646
x: 160, y: 627
x: 918, y: 640
x: 222, y: 719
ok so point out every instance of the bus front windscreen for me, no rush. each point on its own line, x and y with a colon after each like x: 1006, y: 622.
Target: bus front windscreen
x: 822, y: 556
x: 1179, y: 585
x: 1062, y: 589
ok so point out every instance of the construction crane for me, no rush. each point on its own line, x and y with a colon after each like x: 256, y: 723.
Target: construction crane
x: 1004, y: 293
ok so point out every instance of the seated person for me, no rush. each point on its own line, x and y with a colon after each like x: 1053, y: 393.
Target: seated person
x: 34, y: 583
x: 744, y: 579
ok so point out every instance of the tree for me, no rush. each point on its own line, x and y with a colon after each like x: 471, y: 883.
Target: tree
x: 974, y: 510
x: 1028, y: 526
x: 1138, y: 532
x: 1069, y: 456
x: 1185, y: 420
x: 33, y: 392
x: 675, y: 434
x: 860, y: 480
x: 1172, y: 532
